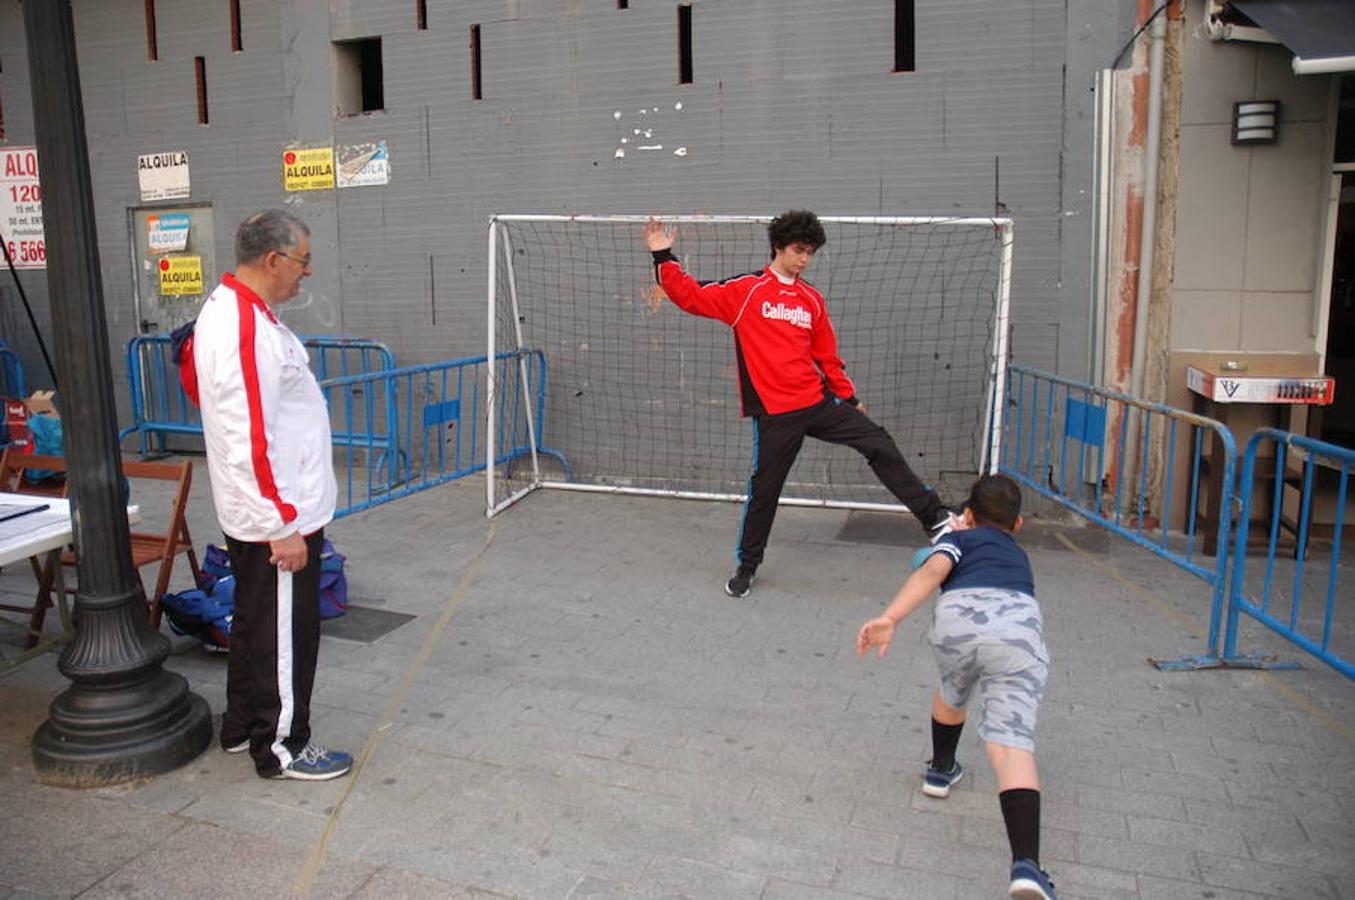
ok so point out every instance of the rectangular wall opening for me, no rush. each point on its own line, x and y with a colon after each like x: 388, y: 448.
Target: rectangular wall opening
x: 237, y: 45
x: 905, y: 36
x: 200, y: 66
x: 476, y: 86
x: 152, y: 50
x: 684, y: 43
x: 358, y: 84
x: 421, y: 15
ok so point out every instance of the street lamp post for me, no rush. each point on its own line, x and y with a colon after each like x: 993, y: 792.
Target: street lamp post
x: 123, y: 717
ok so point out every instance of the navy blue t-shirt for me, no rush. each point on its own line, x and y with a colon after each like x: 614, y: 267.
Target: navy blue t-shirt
x: 986, y: 557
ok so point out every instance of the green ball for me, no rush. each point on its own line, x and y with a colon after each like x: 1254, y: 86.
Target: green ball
x: 920, y: 557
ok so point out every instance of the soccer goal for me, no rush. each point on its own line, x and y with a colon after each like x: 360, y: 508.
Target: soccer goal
x: 633, y: 395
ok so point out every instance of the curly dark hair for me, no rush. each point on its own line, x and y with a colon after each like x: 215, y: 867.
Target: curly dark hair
x: 798, y: 226
x: 995, y: 500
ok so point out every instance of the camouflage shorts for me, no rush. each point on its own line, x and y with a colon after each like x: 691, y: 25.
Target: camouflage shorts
x: 1004, y: 658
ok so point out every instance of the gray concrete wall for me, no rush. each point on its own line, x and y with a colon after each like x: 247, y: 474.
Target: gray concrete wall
x: 1250, y: 220
x: 793, y: 104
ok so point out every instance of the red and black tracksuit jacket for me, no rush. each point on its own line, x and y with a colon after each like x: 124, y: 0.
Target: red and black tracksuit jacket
x: 792, y: 382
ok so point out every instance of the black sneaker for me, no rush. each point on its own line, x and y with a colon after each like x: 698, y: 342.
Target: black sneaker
x: 741, y: 583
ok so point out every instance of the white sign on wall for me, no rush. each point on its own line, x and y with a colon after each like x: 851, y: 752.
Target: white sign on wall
x: 363, y: 164
x: 163, y: 176
x: 21, y: 208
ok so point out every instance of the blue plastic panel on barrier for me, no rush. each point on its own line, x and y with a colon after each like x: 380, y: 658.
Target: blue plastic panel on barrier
x: 440, y: 413
x: 1085, y: 422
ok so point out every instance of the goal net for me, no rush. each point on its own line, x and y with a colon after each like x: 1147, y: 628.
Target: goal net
x: 616, y: 389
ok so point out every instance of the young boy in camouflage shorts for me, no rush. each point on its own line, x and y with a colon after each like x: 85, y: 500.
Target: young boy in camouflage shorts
x: 986, y: 633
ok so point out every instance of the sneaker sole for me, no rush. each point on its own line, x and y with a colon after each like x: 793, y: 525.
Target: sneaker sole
x: 1025, y: 889
x: 237, y: 748
x: 323, y: 776
x: 729, y: 593
x: 940, y: 792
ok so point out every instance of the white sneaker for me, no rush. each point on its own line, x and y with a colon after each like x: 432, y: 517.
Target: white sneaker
x: 952, y: 522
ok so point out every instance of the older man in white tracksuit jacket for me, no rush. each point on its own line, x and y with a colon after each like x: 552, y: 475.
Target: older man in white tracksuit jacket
x: 266, y: 427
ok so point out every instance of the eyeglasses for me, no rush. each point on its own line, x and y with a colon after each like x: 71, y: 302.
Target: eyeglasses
x: 305, y: 262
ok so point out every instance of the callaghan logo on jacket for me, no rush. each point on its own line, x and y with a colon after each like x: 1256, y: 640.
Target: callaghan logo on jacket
x: 795, y: 315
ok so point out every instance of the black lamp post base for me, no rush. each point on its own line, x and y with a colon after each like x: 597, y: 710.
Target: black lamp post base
x: 98, y: 736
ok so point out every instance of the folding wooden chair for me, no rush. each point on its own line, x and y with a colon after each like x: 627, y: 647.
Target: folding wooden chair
x: 163, y: 547
x: 13, y: 467
x: 147, y: 546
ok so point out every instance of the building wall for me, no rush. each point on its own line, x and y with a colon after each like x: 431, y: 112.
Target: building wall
x: 793, y: 104
x: 1250, y: 220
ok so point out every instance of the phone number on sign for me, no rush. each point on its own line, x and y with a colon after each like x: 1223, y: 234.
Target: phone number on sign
x: 28, y: 251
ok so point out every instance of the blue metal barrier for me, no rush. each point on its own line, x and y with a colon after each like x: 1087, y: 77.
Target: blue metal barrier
x: 1314, y: 631
x: 1087, y: 448
x: 435, y: 417
x: 160, y: 407
x: 11, y: 383
x: 11, y: 374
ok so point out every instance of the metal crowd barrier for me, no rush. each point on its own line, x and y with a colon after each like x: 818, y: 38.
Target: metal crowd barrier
x: 435, y: 416
x: 11, y: 374
x: 11, y: 383
x: 1296, y: 465
x: 1112, y: 458
x: 160, y: 407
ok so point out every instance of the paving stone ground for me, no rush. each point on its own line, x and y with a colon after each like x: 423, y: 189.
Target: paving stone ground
x: 577, y: 711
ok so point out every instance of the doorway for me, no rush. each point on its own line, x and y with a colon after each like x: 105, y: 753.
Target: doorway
x: 174, y: 258
x: 1338, y: 420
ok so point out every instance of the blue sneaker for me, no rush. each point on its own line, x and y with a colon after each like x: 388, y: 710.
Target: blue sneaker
x: 315, y: 763
x: 1030, y: 882
x: 936, y: 783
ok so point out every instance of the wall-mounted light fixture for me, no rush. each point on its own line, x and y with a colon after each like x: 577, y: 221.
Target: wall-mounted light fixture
x: 1256, y: 121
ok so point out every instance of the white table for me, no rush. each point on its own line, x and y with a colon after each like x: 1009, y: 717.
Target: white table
x: 42, y: 534
x: 34, y: 533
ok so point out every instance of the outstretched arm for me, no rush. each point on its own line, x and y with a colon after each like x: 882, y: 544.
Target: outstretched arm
x: 715, y: 300
x: 915, y: 591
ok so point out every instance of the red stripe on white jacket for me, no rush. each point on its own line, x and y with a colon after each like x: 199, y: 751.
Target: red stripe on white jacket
x: 265, y: 420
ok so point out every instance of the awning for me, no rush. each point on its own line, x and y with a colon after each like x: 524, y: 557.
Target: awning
x: 1321, y: 33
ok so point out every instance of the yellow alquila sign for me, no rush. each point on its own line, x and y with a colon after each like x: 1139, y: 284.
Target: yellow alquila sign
x: 308, y: 169
x: 180, y: 275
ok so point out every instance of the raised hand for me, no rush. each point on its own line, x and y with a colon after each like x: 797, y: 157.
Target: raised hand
x: 659, y: 236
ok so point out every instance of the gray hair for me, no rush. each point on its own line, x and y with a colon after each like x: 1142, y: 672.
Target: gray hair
x: 272, y: 230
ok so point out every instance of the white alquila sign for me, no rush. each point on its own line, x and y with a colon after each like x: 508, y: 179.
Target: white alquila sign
x: 163, y: 176
x: 21, y: 208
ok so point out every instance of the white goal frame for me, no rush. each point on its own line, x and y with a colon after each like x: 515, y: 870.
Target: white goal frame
x: 500, y: 243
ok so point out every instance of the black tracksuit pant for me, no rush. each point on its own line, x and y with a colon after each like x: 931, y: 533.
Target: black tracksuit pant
x: 275, y: 639
x: 776, y: 442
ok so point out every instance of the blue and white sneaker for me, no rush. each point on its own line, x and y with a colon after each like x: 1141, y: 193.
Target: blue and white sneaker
x: 936, y: 783
x: 1030, y: 882
x: 315, y: 763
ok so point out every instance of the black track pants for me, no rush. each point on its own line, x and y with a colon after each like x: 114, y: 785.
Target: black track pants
x: 776, y: 443
x: 275, y: 638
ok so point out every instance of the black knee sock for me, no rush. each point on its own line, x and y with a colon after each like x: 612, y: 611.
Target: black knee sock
x: 945, y: 738
x: 1021, y: 812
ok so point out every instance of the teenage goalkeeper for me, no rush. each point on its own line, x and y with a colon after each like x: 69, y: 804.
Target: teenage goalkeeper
x: 791, y: 380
